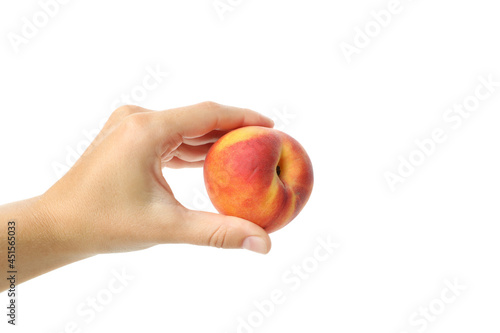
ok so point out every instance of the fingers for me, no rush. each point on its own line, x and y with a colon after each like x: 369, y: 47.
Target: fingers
x: 210, y: 137
x: 192, y: 153
x: 186, y: 156
x: 200, y: 119
x: 176, y: 163
x: 209, y: 229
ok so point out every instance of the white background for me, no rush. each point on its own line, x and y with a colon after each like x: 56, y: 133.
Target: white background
x: 283, y: 59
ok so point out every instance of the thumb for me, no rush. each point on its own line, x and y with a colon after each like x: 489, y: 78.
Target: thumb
x: 202, y: 228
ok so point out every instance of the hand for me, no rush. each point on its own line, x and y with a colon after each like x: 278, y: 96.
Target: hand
x: 116, y: 199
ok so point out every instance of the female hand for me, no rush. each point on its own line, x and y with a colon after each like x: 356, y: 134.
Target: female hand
x: 115, y: 198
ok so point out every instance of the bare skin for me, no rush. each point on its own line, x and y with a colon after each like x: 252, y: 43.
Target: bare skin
x: 115, y: 198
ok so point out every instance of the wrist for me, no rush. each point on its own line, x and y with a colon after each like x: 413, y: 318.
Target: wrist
x: 58, y: 229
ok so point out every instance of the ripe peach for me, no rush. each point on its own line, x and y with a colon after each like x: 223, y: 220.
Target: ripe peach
x: 260, y: 174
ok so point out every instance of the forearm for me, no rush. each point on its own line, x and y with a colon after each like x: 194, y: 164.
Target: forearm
x: 41, y: 245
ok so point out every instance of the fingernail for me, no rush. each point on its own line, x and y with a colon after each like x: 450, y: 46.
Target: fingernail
x: 255, y: 244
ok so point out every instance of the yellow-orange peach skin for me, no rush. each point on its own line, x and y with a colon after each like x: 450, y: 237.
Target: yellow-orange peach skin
x: 260, y: 174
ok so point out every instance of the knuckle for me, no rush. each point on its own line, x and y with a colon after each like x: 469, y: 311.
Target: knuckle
x: 125, y: 110
x: 218, y: 237
x: 210, y: 105
x: 136, y: 122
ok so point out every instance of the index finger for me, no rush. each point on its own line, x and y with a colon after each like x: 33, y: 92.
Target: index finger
x: 199, y: 119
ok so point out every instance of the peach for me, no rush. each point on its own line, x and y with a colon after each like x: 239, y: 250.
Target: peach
x: 259, y: 174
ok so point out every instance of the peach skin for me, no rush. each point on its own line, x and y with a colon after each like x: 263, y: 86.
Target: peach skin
x: 259, y: 174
